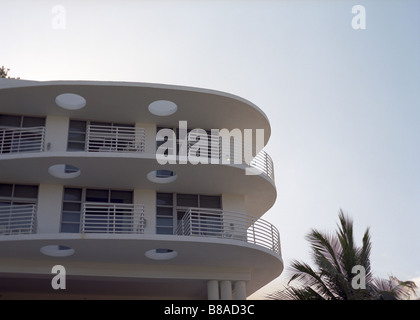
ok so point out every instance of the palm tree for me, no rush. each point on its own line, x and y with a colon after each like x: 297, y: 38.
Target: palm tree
x: 343, y: 270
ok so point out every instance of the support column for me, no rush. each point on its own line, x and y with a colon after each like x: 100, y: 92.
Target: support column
x: 56, y: 133
x: 50, y: 202
x: 225, y: 290
x: 240, y: 290
x: 213, y: 290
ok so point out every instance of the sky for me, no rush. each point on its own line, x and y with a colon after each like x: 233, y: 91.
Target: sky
x: 343, y: 103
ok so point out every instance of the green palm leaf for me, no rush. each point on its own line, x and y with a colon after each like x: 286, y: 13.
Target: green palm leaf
x: 335, y: 256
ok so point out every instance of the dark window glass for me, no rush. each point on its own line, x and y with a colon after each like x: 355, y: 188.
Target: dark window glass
x: 164, y: 199
x: 210, y: 202
x: 71, y: 217
x: 33, y: 122
x: 10, y: 121
x: 94, y: 195
x: 6, y: 190
x: 70, y: 228
x: 77, y: 126
x: 77, y: 136
x: 103, y: 124
x: 164, y: 211
x: 121, y: 197
x: 72, y: 206
x: 164, y: 222
x: 187, y: 200
x: 73, y: 146
x: 22, y: 191
x: 72, y: 194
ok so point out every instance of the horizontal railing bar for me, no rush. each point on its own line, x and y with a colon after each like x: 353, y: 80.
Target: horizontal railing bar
x: 18, y: 219
x: 115, y: 139
x: 227, y: 224
x: 112, y: 218
x: 14, y: 140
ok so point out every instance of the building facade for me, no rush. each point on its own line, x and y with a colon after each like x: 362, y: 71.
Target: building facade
x: 129, y: 187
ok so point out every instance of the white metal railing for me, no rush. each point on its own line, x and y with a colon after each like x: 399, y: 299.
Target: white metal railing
x: 264, y: 163
x: 234, y: 155
x: 115, y: 139
x: 22, y: 139
x: 18, y: 219
x: 232, y: 225
x: 100, y: 217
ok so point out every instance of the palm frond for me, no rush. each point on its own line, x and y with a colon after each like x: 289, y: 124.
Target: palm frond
x: 292, y: 293
x: 304, y: 273
x: 335, y: 256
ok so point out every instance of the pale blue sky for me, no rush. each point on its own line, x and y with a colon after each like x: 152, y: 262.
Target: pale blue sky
x: 344, y: 104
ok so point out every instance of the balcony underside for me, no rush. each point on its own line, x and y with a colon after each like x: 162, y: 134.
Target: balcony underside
x: 110, y: 262
x: 129, y: 171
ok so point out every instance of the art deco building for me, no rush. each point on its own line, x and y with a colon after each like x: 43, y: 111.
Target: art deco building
x: 81, y: 187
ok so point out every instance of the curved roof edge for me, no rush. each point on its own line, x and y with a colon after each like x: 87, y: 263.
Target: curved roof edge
x: 17, y: 83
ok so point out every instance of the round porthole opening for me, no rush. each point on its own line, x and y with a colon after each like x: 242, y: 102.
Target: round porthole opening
x: 64, y: 171
x: 163, y: 108
x: 161, y: 254
x: 70, y: 101
x: 55, y: 250
x: 162, y: 176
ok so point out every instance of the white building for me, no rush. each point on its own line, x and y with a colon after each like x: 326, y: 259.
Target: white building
x: 81, y: 187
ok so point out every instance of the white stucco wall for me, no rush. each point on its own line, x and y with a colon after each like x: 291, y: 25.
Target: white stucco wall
x: 233, y: 202
x: 148, y: 199
x: 50, y: 199
x: 150, y: 132
x: 56, y: 133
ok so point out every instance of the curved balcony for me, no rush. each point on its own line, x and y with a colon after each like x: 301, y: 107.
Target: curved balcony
x: 215, y: 223
x: 131, y: 140
x: 263, y: 163
x: 118, y: 218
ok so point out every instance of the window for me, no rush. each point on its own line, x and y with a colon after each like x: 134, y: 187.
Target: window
x: 72, y: 208
x: 18, y: 194
x: 17, y: 205
x: 21, y: 133
x: 164, y: 213
x: 74, y: 198
x: 171, y: 208
x: 11, y: 121
x: 77, y: 136
x: 103, y: 136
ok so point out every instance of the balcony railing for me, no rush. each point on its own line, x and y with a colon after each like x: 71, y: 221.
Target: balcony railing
x: 263, y: 163
x: 235, y: 154
x: 112, y: 218
x: 115, y: 139
x: 230, y: 225
x: 22, y: 139
x: 18, y: 219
